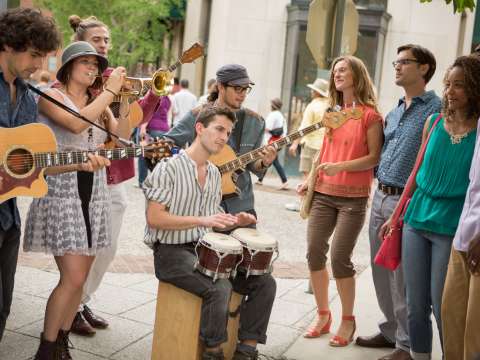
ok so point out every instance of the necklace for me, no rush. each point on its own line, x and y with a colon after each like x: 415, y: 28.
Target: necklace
x: 457, y: 138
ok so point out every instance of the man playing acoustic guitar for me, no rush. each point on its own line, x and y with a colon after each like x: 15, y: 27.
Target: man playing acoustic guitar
x: 26, y: 37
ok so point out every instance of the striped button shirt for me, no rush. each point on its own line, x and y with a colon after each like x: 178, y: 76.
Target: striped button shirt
x: 174, y: 183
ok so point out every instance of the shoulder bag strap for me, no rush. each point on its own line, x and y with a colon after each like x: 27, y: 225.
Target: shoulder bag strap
x: 407, y: 191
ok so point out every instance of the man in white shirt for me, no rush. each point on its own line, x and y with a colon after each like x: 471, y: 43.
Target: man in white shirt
x: 211, y: 86
x: 183, y: 102
x: 274, y: 129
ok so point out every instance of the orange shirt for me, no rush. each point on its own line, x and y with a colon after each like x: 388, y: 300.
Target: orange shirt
x: 348, y: 142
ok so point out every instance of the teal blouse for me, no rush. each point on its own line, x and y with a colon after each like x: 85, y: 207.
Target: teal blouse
x: 442, y: 183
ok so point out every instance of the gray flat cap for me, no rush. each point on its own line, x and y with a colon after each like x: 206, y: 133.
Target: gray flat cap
x: 233, y: 74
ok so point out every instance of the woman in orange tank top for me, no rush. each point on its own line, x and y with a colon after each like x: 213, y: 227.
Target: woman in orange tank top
x: 343, y: 180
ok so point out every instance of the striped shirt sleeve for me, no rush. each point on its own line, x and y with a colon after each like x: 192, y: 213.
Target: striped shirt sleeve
x: 158, y: 186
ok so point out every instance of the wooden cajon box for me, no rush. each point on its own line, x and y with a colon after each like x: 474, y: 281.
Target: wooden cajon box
x: 177, y: 325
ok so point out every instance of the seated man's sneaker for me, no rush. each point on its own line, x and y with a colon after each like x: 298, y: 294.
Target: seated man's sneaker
x: 210, y: 355
x: 244, y: 355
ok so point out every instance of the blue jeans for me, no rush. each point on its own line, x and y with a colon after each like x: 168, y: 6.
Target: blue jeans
x: 425, y: 257
x: 276, y: 164
x: 142, y: 164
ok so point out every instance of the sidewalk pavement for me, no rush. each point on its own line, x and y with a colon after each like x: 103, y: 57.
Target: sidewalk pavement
x: 128, y: 302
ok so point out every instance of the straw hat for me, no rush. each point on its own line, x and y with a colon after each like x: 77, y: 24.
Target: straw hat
x: 320, y: 86
x: 276, y: 103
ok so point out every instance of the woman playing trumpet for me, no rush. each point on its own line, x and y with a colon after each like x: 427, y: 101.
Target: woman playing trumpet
x: 72, y: 221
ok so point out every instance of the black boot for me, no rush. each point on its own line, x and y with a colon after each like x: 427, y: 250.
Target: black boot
x: 47, y: 350
x: 62, y: 345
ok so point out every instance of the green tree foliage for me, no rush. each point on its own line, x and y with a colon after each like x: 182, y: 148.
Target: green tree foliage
x: 137, y: 28
x: 458, y: 5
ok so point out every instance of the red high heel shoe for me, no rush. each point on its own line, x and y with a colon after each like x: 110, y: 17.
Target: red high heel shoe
x: 313, y: 332
x: 338, y: 341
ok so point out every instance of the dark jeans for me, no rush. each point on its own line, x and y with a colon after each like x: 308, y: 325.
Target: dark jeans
x: 174, y: 264
x: 142, y: 163
x: 276, y: 164
x: 9, y: 244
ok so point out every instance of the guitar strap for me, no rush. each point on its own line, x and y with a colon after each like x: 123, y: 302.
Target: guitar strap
x: 238, y: 131
x: 78, y: 115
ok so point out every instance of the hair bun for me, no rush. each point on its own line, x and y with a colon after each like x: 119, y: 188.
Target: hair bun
x: 74, y: 21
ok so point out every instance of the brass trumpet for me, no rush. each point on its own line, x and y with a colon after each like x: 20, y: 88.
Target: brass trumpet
x: 161, y: 82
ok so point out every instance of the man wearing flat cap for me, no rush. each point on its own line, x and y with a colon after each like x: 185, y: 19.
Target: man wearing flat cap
x: 233, y: 85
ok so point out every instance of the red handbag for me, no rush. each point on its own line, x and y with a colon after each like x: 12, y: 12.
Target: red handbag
x: 390, y: 253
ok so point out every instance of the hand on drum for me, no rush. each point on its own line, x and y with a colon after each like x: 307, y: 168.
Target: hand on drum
x: 245, y: 219
x: 219, y: 221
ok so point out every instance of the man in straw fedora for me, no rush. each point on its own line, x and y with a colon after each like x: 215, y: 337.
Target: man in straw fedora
x: 312, y: 142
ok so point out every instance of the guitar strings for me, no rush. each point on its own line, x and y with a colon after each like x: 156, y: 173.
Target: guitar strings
x: 27, y: 159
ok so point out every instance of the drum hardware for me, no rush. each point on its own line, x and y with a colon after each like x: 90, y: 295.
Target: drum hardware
x: 218, y: 256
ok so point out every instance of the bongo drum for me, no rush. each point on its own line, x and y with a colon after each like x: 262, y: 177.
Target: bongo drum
x: 218, y: 255
x: 258, y: 249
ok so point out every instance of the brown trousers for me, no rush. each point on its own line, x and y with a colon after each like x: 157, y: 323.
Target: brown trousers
x: 346, y: 217
x: 461, y: 311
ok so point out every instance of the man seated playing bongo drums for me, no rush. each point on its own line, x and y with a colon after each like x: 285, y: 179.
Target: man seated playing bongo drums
x: 184, y: 195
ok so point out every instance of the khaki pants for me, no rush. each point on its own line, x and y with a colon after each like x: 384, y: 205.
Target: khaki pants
x: 461, y: 311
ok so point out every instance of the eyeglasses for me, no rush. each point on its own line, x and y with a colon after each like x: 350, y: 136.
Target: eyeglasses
x: 241, y: 89
x: 404, y: 62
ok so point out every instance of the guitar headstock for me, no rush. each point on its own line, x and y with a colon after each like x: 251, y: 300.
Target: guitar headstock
x: 192, y: 54
x: 335, y: 119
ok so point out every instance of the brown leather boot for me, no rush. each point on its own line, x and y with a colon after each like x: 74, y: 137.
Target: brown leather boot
x: 48, y: 350
x: 62, y: 345
x: 81, y: 327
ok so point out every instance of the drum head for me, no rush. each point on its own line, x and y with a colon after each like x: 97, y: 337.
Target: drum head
x: 255, y: 240
x: 221, y: 242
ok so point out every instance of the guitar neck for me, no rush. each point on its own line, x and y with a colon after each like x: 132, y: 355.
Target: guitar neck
x: 245, y: 159
x: 173, y: 67
x: 52, y: 159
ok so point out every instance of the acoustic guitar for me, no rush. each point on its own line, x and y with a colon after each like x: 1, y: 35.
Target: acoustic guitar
x: 22, y: 165
x: 230, y: 165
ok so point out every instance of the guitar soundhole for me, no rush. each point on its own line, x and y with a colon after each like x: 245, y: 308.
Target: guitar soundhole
x: 19, y: 162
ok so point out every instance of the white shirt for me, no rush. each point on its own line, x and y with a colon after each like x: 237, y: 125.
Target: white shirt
x: 183, y: 102
x: 274, y: 120
x: 202, y: 100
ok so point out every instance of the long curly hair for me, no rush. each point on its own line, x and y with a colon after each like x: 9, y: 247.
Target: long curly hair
x: 364, y: 89
x: 470, y: 65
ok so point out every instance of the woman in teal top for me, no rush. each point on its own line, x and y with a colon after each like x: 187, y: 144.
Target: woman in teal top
x: 434, y: 210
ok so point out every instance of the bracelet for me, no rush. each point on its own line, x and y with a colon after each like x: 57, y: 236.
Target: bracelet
x: 110, y: 91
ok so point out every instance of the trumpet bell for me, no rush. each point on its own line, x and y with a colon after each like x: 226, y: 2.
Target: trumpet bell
x: 162, y: 82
